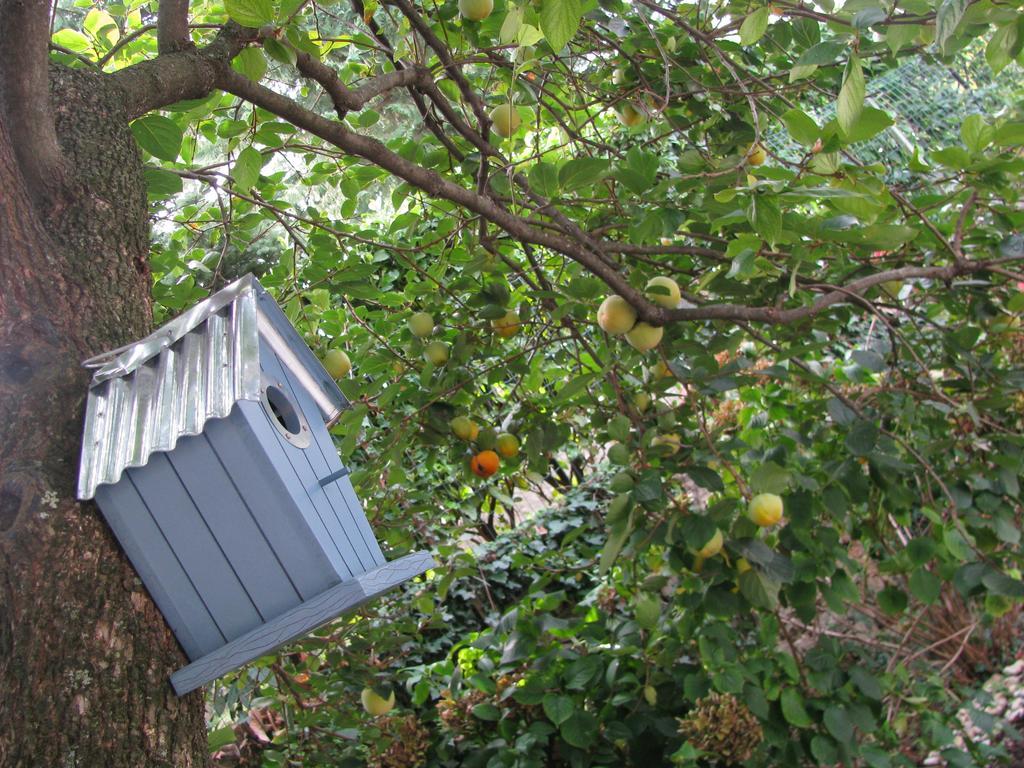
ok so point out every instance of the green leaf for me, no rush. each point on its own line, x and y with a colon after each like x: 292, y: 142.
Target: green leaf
x: 647, y: 611
x: 246, y: 170
x: 761, y: 591
x: 158, y: 135
x: 999, y: 51
x: 252, y: 63
x: 769, y: 477
x: 765, y: 217
x: 278, y: 51
x: 871, y: 122
x: 161, y: 184
x: 898, y: 36
x: 793, y: 708
x: 220, y: 738
x: 976, y: 133
x: 862, y: 438
x: 925, y: 586
x: 801, y: 127
x: 543, y: 179
x: 250, y: 13
x: 892, y: 600
x: 869, y: 17
x: 559, y: 20
x: 754, y: 26
x: 947, y: 18
x: 851, y: 95
x: 867, y: 683
x: 999, y: 583
x: 510, y: 26
x: 824, y: 750
x: 582, y: 172
x: 487, y: 712
x: 580, y: 730
x: 821, y: 54
x: 558, y: 708
x: 837, y: 721
x: 73, y: 40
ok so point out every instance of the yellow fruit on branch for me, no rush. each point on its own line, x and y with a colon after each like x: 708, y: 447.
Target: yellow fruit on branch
x: 670, y: 440
x: 508, y: 325
x: 616, y: 315
x: 630, y: 116
x: 756, y: 155
x: 337, y: 364
x: 713, y: 547
x: 476, y: 10
x: 421, y: 324
x: 375, y: 704
x: 506, y: 120
x: 436, y: 352
x: 765, y: 509
x: 507, y: 445
x: 668, y: 294
x: 644, y: 336
x: 464, y: 428
x: 642, y: 401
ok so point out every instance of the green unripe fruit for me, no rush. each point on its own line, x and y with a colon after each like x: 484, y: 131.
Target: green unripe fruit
x: 619, y: 454
x: 669, y: 296
x: 713, y: 546
x: 765, y: 509
x: 507, y: 445
x: 643, y: 336
x: 630, y: 116
x: 616, y: 315
x: 671, y: 441
x: 375, y: 704
x: 436, y: 352
x: 464, y: 428
x: 506, y: 120
x: 622, y: 482
x: 421, y: 324
x: 641, y: 401
x: 476, y: 10
x: 337, y: 364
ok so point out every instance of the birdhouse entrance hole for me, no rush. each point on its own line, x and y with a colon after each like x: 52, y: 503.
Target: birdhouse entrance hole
x: 285, y: 416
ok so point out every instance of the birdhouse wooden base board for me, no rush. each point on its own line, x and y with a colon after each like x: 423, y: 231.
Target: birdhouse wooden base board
x: 300, y: 620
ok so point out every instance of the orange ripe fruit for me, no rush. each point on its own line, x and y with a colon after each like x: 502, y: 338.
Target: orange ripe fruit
x: 484, y: 464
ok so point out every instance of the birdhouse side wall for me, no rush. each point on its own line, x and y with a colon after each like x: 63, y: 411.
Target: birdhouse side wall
x: 216, y: 536
x: 332, y: 510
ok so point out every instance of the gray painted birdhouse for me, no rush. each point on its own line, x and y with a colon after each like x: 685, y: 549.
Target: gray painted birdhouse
x: 206, y: 447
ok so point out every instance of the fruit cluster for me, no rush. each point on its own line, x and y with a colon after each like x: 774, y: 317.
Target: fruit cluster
x: 617, y: 317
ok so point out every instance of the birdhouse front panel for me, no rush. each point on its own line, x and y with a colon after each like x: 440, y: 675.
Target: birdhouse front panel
x: 207, y: 448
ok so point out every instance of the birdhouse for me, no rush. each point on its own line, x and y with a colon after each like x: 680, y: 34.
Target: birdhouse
x: 206, y: 447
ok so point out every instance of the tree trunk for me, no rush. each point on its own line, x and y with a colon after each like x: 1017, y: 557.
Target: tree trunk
x: 84, y: 654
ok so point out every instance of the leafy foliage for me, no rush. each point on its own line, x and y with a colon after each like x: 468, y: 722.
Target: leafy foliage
x: 848, y: 339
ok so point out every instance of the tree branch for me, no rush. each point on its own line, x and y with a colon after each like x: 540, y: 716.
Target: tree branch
x: 173, y: 77
x: 25, y: 94
x: 347, y: 100
x: 172, y: 26
x: 434, y: 184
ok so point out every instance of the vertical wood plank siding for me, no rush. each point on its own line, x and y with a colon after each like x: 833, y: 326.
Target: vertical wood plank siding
x: 160, y: 570
x: 257, y: 481
x: 190, y: 538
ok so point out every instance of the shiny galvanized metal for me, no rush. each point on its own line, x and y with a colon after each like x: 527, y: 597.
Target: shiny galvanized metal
x: 146, y: 395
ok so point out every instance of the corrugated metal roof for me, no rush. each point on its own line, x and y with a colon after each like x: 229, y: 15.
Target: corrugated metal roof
x: 145, y: 396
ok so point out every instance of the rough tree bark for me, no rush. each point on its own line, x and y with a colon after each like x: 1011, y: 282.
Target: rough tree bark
x: 84, y: 654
